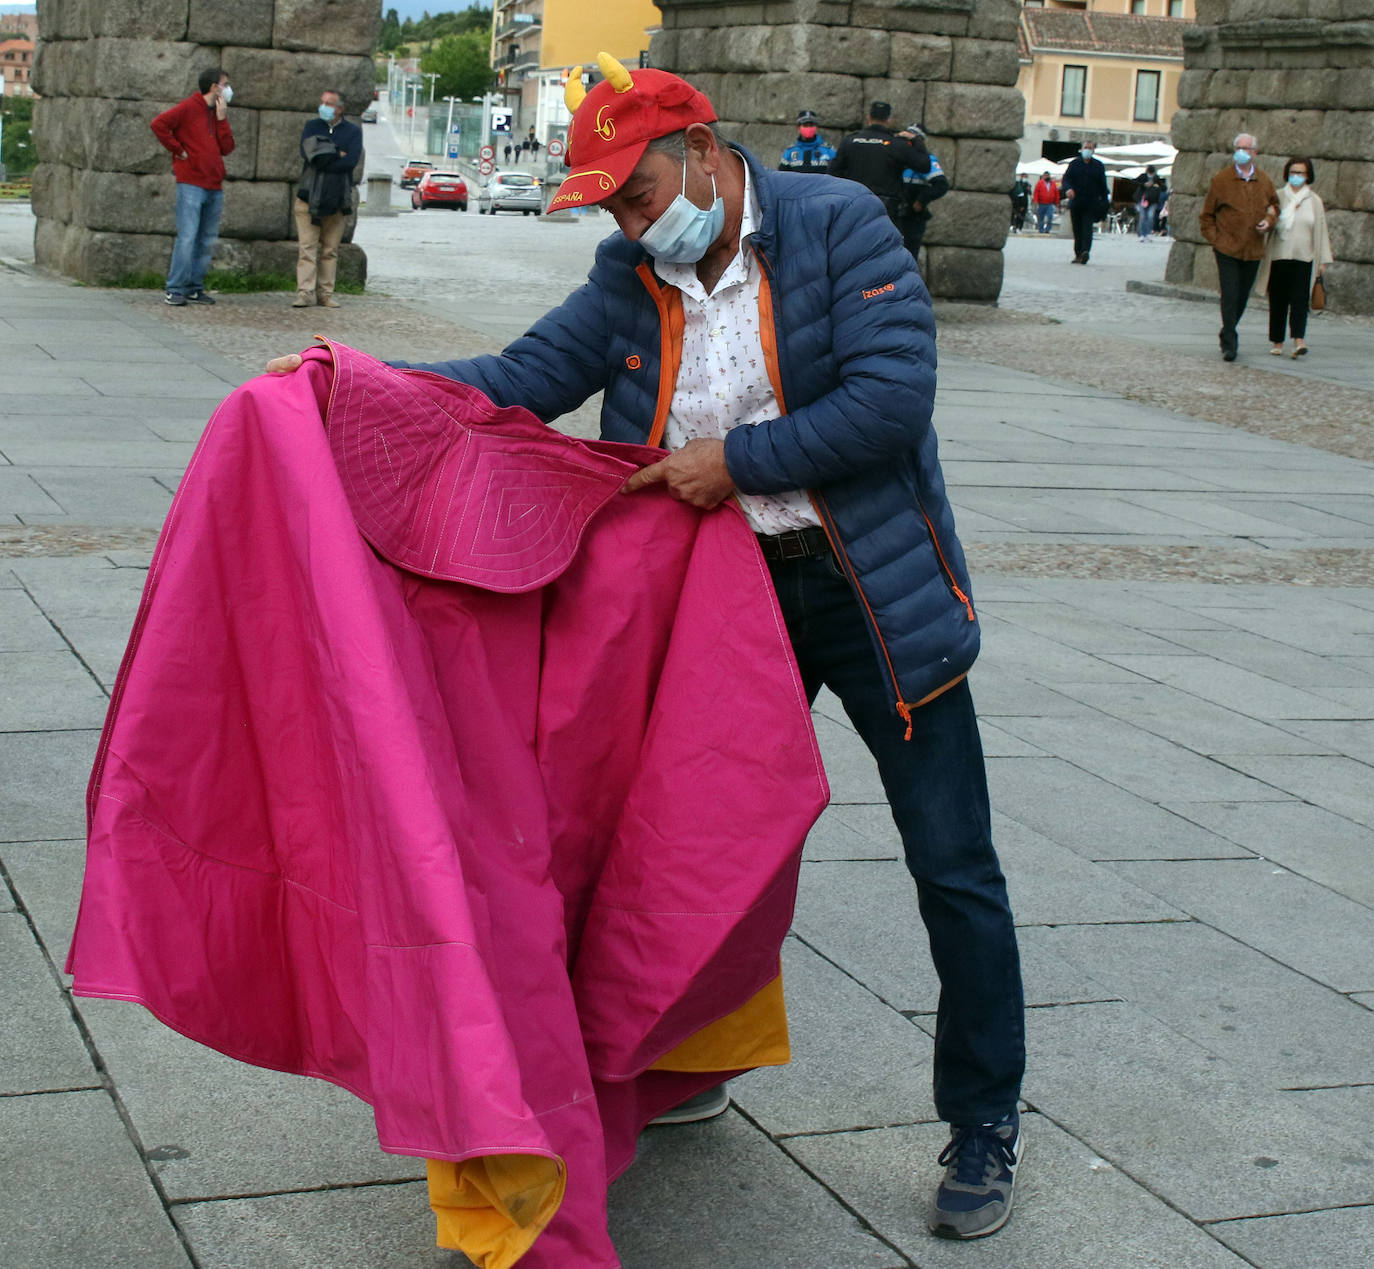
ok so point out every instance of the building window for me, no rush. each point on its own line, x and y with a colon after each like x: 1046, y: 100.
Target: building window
x: 1176, y: 8
x: 1146, y: 97
x: 1138, y: 6
x: 1072, y: 93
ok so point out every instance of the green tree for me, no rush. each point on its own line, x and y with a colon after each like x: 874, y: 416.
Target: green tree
x: 390, y: 35
x: 460, y: 61
x: 19, y: 156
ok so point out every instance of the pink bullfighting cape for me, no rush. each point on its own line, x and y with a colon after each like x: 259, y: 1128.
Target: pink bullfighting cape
x: 440, y: 769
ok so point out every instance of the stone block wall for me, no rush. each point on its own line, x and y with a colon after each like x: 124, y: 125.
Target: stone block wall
x: 103, y: 193
x: 1299, y: 75
x: 949, y: 64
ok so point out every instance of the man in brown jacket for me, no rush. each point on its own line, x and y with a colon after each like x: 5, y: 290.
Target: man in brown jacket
x: 1240, y: 208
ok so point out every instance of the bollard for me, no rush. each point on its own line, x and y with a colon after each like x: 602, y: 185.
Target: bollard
x: 378, y: 200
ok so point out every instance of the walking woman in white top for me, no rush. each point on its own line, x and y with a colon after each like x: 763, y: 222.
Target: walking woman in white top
x: 1298, y: 242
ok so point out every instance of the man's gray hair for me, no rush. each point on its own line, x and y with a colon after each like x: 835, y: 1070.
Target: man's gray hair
x: 674, y: 145
x: 1248, y: 136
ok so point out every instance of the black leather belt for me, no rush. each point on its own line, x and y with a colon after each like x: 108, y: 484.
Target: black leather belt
x: 795, y: 544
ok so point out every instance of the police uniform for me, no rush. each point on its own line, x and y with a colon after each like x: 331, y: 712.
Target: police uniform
x: 876, y: 156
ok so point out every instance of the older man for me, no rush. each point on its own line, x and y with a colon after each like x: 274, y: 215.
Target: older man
x: 331, y: 155
x: 771, y: 331
x: 1085, y: 193
x: 1240, y: 208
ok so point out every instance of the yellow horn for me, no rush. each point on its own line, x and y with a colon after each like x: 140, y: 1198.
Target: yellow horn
x: 616, y: 75
x: 573, y: 92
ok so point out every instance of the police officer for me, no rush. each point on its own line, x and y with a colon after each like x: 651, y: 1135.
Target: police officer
x: 810, y: 153
x: 877, y: 156
x: 921, y: 189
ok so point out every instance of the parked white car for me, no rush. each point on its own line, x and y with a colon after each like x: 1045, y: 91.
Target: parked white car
x: 510, y: 191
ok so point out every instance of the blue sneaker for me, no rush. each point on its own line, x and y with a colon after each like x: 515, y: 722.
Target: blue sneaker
x: 980, y: 1162
x: 174, y: 298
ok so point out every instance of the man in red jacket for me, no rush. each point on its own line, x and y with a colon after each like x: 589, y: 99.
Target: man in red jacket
x: 196, y: 132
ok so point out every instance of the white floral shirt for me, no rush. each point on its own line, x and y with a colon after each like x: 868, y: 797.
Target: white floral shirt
x: 723, y: 381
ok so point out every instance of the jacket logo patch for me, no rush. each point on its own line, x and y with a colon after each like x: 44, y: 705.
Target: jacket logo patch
x: 878, y: 290
x: 633, y: 362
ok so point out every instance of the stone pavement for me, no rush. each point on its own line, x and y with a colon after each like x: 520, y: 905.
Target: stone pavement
x: 1177, y: 695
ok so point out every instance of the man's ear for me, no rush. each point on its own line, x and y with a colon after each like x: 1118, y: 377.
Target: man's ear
x: 701, y: 141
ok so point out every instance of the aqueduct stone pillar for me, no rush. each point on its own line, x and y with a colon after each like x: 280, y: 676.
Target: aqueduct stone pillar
x: 1299, y: 74
x: 949, y: 64
x: 103, y: 193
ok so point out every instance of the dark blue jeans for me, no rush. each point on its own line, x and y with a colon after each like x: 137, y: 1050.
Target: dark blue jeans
x: 937, y: 789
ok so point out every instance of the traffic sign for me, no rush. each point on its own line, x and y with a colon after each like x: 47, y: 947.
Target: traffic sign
x: 487, y: 152
x: 555, y: 148
x: 453, y: 151
x: 486, y: 167
x: 500, y: 120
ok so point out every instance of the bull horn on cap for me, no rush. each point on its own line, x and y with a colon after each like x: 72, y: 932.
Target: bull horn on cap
x: 573, y: 92
x: 616, y: 75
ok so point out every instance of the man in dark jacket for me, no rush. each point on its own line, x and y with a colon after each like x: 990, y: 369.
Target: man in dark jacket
x: 800, y: 383
x: 196, y: 132
x: 876, y: 156
x: 331, y: 152
x: 1084, y: 190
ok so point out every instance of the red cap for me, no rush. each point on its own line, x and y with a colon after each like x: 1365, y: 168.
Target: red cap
x: 613, y: 124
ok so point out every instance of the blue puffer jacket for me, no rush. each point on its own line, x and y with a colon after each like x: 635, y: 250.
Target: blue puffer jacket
x: 850, y: 342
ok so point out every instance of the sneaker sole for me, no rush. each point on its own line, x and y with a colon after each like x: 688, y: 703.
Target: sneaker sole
x: 955, y: 1235
x: 696, y: 1115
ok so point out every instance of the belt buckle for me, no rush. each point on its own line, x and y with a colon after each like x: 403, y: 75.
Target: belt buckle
x: 792, y: 545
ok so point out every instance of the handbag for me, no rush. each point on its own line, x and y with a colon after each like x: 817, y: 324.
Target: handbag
x: 1318, y: 296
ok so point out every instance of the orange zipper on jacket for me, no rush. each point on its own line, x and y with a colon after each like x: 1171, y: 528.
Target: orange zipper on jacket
x: 944, y: 564
x: 670, y: 326
x: 769, y: 339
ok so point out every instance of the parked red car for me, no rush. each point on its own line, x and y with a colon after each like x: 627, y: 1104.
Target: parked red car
x: 440, y: 189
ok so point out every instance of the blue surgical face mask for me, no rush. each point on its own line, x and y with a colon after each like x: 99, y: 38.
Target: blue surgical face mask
x: 684, y: 232
x: 327, y: 113
x: 227, y: 93
x: 1297, y: 180
x: 1242, y: 158
x: 1085, y: 154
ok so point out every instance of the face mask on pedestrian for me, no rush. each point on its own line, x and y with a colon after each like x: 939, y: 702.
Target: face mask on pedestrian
x: 1242, y: 158
x: 807, y: 132
x: 226, y: 94
x: 1297, y: 180
x: 1085, y: 154
x: 684, y: 232
x: 327, y: 113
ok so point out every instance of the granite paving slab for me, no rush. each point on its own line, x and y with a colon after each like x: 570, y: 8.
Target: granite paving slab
x: 41, y: 1049
x: 100, y: 642
x: 1339, y: 1239
x: 108, y: 455
x: 1299, y: 923
x: 1045, y: 659
x: 45, y: 777
x: 863, y: 917
x: 1147, y: 765
x: 1353, y: 737
x: 835, y: 837
x: 43, y: 691
x: 23, y: 628
x: 721, y: 1195
x: 872, y: 821
x: 1085, y: 631
x: 230, y: 1128
x: 1189, y: 721
x: 1073, y: 1209
x: 81, y: 586
x: 22, y: 495
x: 1192, y: 1128
x: 85, y: 1198
x: 127, y: 496
x: 855, y: 1061
x: 1267, y: 1019
x: 47, y: 876
x: 849, y: 767
x: 1279, y: 660
x: 1096, y: 818
x: 1329, y: 849
x: 370, y: 1227
x: 1342, y: 785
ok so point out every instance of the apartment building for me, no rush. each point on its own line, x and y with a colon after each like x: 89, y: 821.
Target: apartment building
x: 16, y: 67
x: 534, y: 43
x: 1101, y: 69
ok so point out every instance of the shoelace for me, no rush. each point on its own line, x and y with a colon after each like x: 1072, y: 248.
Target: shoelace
x: 969, y: 1149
